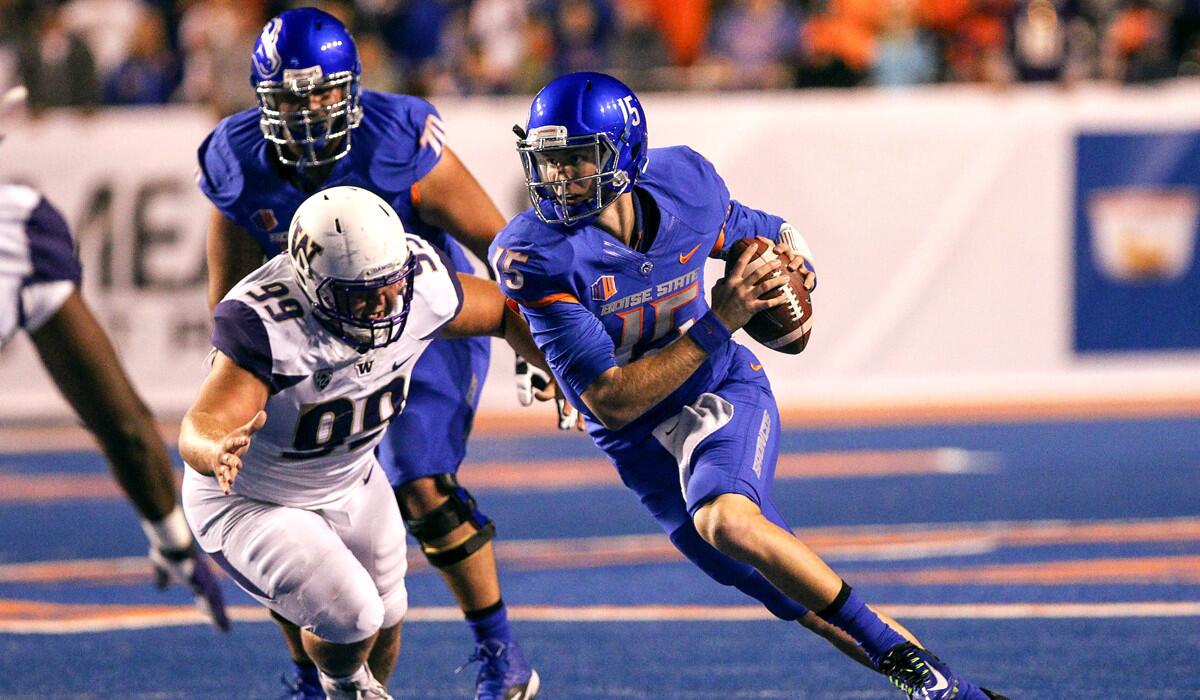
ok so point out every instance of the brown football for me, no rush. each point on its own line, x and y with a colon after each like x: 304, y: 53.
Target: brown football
x: 786, y: 327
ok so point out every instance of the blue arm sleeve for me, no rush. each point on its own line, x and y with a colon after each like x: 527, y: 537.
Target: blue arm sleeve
x: 573, y: 341
x: 746, y: 222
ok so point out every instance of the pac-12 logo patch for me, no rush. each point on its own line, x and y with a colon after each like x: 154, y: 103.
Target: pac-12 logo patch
x: 266, y: 55
x: 321, y: 378
x: 604, y: 288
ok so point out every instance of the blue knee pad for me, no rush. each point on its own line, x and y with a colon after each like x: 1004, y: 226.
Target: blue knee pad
x: 731, y: 572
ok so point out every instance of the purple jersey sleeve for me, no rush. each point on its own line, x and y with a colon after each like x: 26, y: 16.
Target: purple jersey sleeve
x: 51, y: 248
x: 426, y: 264
x: 239, y: 333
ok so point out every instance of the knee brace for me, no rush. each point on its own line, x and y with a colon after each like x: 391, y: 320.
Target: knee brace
x: 459, y: 508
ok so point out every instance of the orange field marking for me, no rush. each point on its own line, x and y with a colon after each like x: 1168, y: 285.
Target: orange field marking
x: 557, y: 475
x: 916, y: 411
x: 28, y: 617
x: 1141, y: 570
x: 856, y: 544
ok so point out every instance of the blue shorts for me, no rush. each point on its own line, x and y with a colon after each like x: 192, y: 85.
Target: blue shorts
x: 726, y: 441
x: 430, y: 436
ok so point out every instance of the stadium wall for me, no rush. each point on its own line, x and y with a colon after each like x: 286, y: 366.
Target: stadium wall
x: 1015, y: 249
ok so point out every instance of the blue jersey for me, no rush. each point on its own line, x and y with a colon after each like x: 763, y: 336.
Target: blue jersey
x: 398, y: 142
x: 594, y: 303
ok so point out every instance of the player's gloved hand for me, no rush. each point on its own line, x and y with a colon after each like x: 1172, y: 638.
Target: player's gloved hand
x: 796, y: 255
x: 531, y: 381
x: 534, y: 383
x: 568, y: 416
x: 175, y: 560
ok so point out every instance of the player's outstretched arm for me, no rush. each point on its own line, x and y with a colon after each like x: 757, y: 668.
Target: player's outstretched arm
x: 484, y: 312
x: 219, y: 426
x: 232, y: 254
x: 78, y: 355
x: 80, y: 358
x: 452, y: 199
x: 622, y: 394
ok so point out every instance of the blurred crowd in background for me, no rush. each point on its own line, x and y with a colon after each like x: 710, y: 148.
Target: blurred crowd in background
x: 129, y: 52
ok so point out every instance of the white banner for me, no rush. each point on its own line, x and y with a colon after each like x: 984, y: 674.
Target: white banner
x: 940, y: 220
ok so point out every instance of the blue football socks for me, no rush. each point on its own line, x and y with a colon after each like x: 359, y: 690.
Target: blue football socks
x: 490, y: 623
x: 850, y: 612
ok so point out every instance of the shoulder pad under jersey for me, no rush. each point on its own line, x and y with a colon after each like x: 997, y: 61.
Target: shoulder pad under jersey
x: 224, y: 156
x: 406, y: 137
x: 437, y: 294
x: 534, y: 259
x: 685, y: 181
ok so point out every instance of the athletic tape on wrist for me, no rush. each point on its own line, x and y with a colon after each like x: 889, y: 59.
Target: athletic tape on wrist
x: 171, y: 533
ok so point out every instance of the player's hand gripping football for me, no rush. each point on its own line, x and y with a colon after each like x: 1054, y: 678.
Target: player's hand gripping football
x: 535, y: 383
x: 233, y: 446
x: 796, y: 254
x: 738, y: 296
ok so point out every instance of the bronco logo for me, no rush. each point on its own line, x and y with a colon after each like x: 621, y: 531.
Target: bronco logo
x: 266, y: 56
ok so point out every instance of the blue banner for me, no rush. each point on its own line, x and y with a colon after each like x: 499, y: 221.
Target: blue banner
x: 1137, y: 203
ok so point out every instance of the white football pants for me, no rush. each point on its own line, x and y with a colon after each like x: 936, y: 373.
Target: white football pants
x: 337, y: 571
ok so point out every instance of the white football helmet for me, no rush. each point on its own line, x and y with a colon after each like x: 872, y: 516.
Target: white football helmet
x: 349, y: 255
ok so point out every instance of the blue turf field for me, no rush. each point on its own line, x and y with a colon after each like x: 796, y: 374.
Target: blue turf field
x: 1053, y: 560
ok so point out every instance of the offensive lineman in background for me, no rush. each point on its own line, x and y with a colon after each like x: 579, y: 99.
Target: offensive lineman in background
x: 39, y: 292
x: 314, y: 356
x: 256, y: 168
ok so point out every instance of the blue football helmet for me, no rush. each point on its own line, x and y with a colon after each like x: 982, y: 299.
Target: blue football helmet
x: 305, y: 70
x: 584, y: 145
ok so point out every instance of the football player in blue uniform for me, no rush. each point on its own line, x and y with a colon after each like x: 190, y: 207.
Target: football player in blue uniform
x: 39, y: 293
x: 315, y: 128
x: 608, y: 268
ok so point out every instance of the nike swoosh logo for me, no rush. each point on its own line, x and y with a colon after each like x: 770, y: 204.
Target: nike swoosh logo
x: 684, y: 257
x: 401, y: 363
x: 755, y: 367
x: 941, y: 684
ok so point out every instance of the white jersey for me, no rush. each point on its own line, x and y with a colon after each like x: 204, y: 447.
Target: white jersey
x: 38, y: 266
x: 329, y: 405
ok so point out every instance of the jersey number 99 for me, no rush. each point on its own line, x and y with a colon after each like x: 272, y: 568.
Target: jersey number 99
x: 324, y: 427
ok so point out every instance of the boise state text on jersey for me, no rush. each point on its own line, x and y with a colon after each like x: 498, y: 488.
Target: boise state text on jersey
x: 611, y: 304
